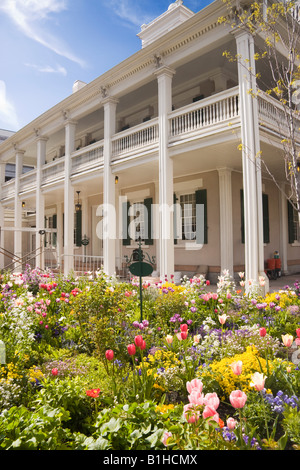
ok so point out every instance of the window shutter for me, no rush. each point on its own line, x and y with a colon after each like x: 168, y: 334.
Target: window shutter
x: 148, y: 221
x: 54, y: 235
x: 125, y: 223
x: 201, y: 203
x: 175, y: 219
x: 266, y: 225
x: 78, y: 227
x: 291, y: 222
x: 242, y: 216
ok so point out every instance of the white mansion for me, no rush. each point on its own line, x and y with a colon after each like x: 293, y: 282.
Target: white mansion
x: 161, y: 129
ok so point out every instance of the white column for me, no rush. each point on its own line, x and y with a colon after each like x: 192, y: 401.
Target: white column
x: 254, y: 248
x: 60, y: 229
x: 283, y: 224
x: 69, y: 208
x: 40, y: 200
x: 109, y: 235
x: 2, y: 215
x: 226, y: 221
x: 18, y: 209
x: 166, y: 237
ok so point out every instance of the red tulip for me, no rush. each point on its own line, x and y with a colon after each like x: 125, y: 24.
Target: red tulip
x: 54, y: 371
x: 183, y: 327
x: 131, y: 349
x: 138, y: 340
x: 109, y: 354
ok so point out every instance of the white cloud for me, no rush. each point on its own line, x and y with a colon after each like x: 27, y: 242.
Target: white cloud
x: 132, y: 12
x: 8, y: 115
x: 30, y: 15
x: 48, y: 69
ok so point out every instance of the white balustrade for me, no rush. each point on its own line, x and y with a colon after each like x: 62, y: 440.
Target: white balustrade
x: 207, y: 112
x: 87, y: 157
x: 53, y: 171
x: 139, y: 137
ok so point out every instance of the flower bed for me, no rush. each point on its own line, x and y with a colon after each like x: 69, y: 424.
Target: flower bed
x: 80, y: 369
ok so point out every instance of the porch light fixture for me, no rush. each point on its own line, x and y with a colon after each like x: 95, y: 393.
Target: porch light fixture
x: 23, y: 204
x: 116, y: 179
x: 78, y: 205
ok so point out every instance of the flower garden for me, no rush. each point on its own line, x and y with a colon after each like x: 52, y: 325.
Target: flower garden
x: 82, y: 369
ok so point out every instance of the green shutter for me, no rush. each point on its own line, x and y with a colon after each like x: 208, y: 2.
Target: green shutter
x: 201, y: 205
x: 291, y: 222
x: 175, y: 219
x: 78, y: 227
x: 266, y: 225
x: 125, y: 223
x: 54, y: 235
x: 148, y: 221
x: 242, y: 216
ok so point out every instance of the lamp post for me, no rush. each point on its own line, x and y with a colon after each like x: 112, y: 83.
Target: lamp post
x: 140, y: 268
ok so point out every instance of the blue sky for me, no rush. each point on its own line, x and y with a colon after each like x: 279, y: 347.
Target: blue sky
x: 49, y: 44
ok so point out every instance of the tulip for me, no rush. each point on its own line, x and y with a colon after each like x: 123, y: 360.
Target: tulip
x: 287, y: 340
x: 183, y: 327
x: 196, y: 398
x: 183, y: 335
x: 131, y: 349
x: 238, y: 398
x: 138, y: 340
x: 109, y: 354
x: 262, y: 332
x: 190, y: 413
x: 210, y: 411
x: 222, y: 318
x: 298, y: 332
x: 236, y: 367
x: 54, y: 371
x: 194, y: 384
x: 143, y: 345
x: 258, y: 381
x: 169, y: 339
x: 231, y: 423
x: 212, y: 399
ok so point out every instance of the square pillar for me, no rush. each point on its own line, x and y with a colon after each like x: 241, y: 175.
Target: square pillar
x: 226, y: 221
x: 2, y: 217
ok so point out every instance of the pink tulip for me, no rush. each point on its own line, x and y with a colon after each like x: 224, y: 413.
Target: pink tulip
x: 184, y: 335
x: 190, y: 413
x: 258, y: 381
x: 196, y: 397
x: 236, y: 367
x: 298, y: 332
x: 212, y: 399
x: 169, y: 339
x: 287, y: 340
x: 210, y: 411
x: 183, y: 327
x: 231, y: 423
x: 138, y: 340
x: 194, y: 384
x: 238, y: 398
x: 262, y: 332
x: 54, y: 371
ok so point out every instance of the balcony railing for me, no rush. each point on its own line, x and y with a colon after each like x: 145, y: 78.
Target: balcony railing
x: 144, y: 136
x: 87, y: 158
x: 205, y: 113
x: 53, y: 171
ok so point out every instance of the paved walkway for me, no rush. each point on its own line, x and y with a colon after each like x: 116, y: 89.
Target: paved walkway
x: 283, y: 281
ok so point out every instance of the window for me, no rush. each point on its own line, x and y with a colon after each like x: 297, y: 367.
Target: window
x: 188, y: 216
x: 193, y: 213
x: 51, y: 237
x: 137, y: 222
x: 293, y: 224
